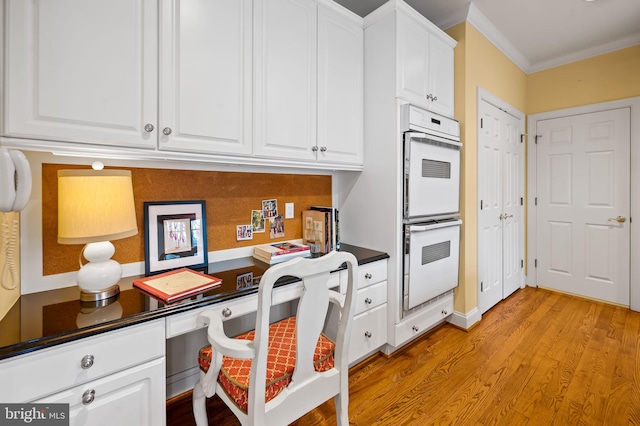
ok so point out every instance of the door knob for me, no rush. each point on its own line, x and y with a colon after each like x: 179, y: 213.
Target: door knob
x: 619, y: 219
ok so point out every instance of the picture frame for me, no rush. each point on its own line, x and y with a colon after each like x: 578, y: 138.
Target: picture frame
x: 175, y: 236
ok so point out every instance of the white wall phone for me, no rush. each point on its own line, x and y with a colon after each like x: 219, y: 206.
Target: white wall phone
x: 15, y: 180
x: 15, y: 189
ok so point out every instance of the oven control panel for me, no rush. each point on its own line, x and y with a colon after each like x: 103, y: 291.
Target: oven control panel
x: 417, y: 119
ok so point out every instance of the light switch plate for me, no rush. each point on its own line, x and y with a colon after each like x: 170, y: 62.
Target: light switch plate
x: 288, y: 210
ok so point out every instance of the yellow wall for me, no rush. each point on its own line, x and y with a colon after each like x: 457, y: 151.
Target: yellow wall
x: 603, y: 78
x: 478, y: 63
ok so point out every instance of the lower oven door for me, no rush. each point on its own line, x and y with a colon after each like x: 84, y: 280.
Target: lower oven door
x: 431, y: 260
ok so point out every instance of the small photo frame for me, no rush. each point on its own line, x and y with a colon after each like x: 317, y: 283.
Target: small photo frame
x: 257, y: 220
x: 244, y: 232
x: 276, y: 227
x: 175, y: 236
x: 270, y: 208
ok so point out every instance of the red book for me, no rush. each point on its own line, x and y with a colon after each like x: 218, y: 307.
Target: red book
x: 176, y: 285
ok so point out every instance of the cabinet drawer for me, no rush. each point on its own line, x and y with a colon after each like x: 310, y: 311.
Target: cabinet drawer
x: 52, y: 370
x: 372, y: 273
x: 370, y: 297
x: 368, y: 333
x: 133, y: 397
x: 423, y: 321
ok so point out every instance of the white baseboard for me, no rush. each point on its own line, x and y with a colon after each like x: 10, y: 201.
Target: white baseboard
x: 182, y: 382
x: 465, y: 321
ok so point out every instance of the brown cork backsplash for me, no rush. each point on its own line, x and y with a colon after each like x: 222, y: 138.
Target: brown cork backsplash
x: 229, y: 198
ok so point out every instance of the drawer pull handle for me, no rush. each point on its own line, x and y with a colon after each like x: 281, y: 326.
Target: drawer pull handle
x: 367, y: 276
x: 226, y: 312
x: 367, y: 334
x: 444, y: 312
x: 368, y: 301
x: 88, y: 396
x: 415, y: 328
x: 87, y: 362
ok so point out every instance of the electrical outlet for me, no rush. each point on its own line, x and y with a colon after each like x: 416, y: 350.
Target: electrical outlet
x: 288, y: 208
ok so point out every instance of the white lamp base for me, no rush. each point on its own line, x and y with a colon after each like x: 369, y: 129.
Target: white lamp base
x: 98, y: 278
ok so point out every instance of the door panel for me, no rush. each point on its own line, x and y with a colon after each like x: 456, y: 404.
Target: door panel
x: 501, y: 211
x: 583, y: 181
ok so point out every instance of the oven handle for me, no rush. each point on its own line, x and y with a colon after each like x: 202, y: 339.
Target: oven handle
x: 432, y: 226
x: 434, y: 140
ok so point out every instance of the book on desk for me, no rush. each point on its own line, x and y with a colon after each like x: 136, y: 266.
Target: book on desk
x: 280, y: 252
x: 176, y: 285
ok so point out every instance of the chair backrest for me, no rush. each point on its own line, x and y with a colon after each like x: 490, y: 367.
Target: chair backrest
x: 313, y: 307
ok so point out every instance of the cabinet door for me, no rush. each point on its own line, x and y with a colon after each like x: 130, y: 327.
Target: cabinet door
x: 413, y: 61
x: 440, y: 76
x: 134, y: 397
x: 340, y: 88
x: 205, y: 89
x: 82, y: 71
x: 285, y: 45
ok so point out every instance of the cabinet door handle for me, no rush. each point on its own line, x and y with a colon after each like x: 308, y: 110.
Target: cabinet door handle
x: 166, y: 131
x: 444, y: 312
x: 314, y: 148
x: 88, y: 396
x: 368, y: 301
x: 86, y: 362
x: 367, y: 334
x: 148, y: 128
x: 368, y: 276
x: 415, y: 328
x: 226, y: 312
x: 323, y: 148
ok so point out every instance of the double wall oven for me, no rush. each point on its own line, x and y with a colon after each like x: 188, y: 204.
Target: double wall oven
x: 431, y: 206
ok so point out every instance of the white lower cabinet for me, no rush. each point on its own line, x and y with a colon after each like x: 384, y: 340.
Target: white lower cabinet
x: 369, y: 329
x: 132, y: 397
x: 112, y: 378
x: 421, y: 322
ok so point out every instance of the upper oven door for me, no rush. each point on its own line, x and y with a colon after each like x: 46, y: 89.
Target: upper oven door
x: 431, y: 176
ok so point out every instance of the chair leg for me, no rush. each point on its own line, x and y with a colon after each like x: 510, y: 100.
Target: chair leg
x: 199, y: 402
x: 341, y: 402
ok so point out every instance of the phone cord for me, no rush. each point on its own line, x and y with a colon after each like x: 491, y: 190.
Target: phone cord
x: 9, y: 269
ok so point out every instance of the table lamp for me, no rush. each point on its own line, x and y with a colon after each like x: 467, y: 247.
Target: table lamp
x: 94, y: 207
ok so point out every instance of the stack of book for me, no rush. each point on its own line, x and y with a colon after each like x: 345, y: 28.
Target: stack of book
x: 279, y: 252
x: 325, y: 219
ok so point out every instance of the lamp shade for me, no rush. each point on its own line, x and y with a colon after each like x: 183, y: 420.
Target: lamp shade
x: 95, y: 206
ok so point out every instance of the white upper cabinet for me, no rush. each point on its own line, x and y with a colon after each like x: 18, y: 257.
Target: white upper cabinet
x: 205, y: 76
x: 76, y: 76
x: 82, y: 71
x: 308, y: 82
x: 285, y: 78
x: 251, y: 82
x: 340, y: 88
x: 425, y: 64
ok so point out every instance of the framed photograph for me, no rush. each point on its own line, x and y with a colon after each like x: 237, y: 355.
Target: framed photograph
x: 175, y: 236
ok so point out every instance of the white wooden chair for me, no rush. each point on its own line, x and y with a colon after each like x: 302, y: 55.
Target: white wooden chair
x: 297, y: 367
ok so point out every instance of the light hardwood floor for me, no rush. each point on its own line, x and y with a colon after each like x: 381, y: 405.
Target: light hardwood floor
x: 538, y: 358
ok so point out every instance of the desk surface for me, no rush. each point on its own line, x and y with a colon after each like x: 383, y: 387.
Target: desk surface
x: 45, y: 319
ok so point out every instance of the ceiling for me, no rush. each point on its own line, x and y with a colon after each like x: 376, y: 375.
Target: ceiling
x: 535, y: 34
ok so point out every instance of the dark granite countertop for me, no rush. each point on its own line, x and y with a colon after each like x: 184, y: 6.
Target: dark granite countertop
x: 45, y: 319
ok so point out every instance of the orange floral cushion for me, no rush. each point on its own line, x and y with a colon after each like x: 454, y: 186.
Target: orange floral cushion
x: 281, y: 359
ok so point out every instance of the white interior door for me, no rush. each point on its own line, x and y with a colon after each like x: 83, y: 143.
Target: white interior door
x: 500, y: 210
x: 583, y: 204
